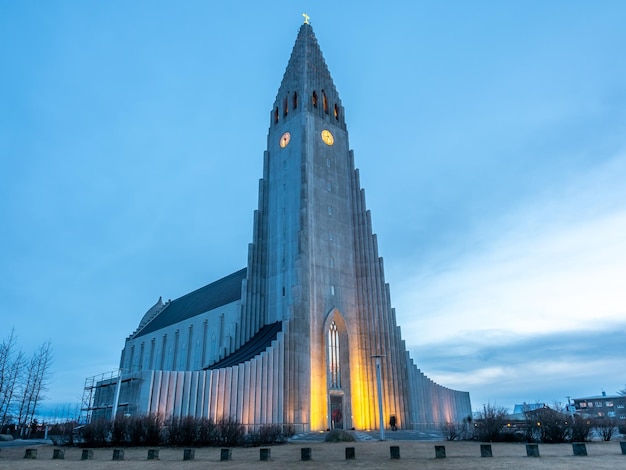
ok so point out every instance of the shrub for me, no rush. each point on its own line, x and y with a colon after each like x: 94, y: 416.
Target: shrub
x: 488, y: 428
x: 289, y: 430
x: 207, y: 432
x: 339, y: 435
x: 451, y: 431
x: 606, y: 427
x: 265, y: 435
x: 580, y: 429
x: 152, y: 425
x: 118, y: 431
x: 96, y: 433
x: 181, y: 431
x: 229, y: 432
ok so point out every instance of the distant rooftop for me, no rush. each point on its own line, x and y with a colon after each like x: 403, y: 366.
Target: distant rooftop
x: 209, y: 297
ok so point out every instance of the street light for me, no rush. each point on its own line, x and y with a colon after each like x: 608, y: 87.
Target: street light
x: 380, y: 396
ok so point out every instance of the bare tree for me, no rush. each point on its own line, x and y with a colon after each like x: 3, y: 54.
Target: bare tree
x: 11, y: 365
x: 34, y: 385
x: 548, y: 425
x: 606, y: 427
x: 490, y: 422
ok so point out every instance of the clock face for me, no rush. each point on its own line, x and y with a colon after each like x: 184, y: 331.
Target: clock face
x: 327, y: 137
x: 284, y: 140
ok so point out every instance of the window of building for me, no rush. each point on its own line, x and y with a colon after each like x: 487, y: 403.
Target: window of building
x: 582, y: 404
x: 622, y: 416
x: 328, y: 162
x: 332, y: 262
x: 330, y: 210
x: 163, y: 351
x: 314, y: 99
x: 276, y: 116
x: 285, y: 107
x: 295, y: 100
x: 329, y: 186
x: 620, y: 405
x: 175, y: 353
x: 590, y: 404
x: 141, y: 353
x: 325, y: 102
x: 611, y: 414
x: 189, y: 348
x: 152, y: 349
x: 332, y: 290
x: 333, y: 356
x: 599, y: 404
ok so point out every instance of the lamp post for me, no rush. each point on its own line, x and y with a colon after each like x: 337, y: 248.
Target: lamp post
x: 380, y: 396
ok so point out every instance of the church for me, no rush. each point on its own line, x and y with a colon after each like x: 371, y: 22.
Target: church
x: 304, y: 335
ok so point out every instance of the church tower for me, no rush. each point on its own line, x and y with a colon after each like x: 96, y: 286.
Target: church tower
x: 298, y: 337
x: 322, y: 276
x: 307, y: 238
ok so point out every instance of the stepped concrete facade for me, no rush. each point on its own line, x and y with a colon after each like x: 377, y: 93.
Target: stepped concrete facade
x: 294, y: 338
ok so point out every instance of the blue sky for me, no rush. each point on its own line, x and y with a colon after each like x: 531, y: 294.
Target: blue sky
x: 490, y: 137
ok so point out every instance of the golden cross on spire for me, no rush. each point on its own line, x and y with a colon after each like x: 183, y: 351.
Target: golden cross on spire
x: 306, y: 18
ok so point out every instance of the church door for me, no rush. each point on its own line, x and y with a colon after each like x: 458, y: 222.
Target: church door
x: 336, y: 411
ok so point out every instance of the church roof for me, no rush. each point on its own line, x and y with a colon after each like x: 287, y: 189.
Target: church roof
x: 255, y: 346
x: 209, y: 297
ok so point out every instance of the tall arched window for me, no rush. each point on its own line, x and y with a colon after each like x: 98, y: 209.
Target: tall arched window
x: 333, y: 356
x: 314, y: 99
x: 325, y: 102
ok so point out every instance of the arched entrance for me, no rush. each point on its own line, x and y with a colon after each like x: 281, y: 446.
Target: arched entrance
x: 337, y: 371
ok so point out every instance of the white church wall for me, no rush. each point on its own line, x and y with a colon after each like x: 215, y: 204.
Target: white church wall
x: 192, y: 344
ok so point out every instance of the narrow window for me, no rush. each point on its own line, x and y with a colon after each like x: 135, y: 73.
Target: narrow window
x: 276, y: 115
x: 333, y: 356
x: 283, y: 291
x: 213, y: 346
x: 189, y: 348
x: 329, y: 186
x: 205, y: 330
x: 221, y: 337
x: 336, y: 112
x: 141, y: 353
x: 175, y: 354
x: 152, y: 348
x: 330, y: 210
x: 331, y: 236
x: 328, y: 162
x: 285, y: 107
x: 131, y: 358
x: 332, y: 290
x: 295, y: 100
x: 325, y: 102
x: 314, y: 99
x: 332, y: 262
x: 163, y: 352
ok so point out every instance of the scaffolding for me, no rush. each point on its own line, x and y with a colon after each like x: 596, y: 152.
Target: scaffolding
x: 99, y: 395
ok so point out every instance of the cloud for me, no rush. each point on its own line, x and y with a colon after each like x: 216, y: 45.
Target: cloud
x: 537, y: 304
x: 556, y: 264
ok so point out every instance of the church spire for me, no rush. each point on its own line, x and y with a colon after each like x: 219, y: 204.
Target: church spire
x: 307, y: 84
